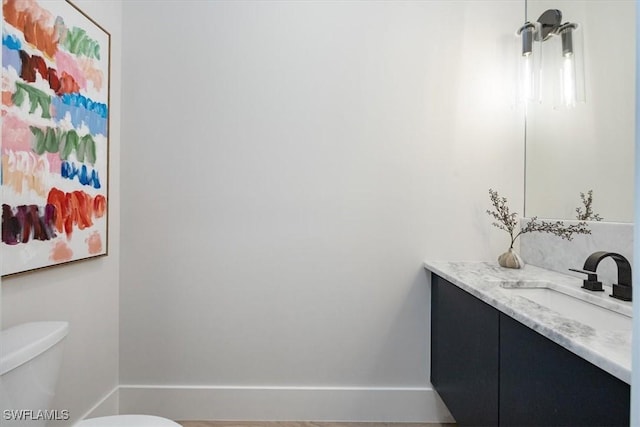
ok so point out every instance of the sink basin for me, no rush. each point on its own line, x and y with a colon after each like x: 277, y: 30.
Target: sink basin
x: 593, y: 309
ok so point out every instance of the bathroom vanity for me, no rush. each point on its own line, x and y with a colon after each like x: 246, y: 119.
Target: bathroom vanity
x: 527, y: 347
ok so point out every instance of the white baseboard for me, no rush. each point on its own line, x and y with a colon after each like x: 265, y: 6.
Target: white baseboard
x: 355, y: 404
x: 108, y: 405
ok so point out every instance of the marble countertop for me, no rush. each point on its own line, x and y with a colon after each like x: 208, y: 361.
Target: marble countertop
x: 606, y: 348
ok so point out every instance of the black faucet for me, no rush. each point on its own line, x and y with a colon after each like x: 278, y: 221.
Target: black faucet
x: 622, y: 289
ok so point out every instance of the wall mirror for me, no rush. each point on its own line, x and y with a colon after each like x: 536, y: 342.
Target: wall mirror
x: 590, y: 146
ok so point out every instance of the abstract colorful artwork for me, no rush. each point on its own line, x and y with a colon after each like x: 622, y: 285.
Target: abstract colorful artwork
x: 55, y: 123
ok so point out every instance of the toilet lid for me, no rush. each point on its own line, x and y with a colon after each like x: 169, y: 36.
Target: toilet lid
x: 128, y: 421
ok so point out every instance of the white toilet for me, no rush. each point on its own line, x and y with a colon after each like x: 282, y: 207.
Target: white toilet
x: 30, y: 359
x: 127, y: 421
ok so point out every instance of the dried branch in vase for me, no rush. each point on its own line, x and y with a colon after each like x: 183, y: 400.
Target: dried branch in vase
x: 588, y: 214
x: 505, y: 220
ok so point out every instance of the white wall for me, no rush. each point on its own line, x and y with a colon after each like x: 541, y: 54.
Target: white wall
x: 84, y: 293
x: 635, y: 357
x: 288, y: 167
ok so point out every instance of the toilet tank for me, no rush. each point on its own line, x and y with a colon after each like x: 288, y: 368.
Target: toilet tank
x: 30, y: 359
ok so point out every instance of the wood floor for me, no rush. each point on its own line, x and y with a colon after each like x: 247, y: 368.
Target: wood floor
x: 301, y: 424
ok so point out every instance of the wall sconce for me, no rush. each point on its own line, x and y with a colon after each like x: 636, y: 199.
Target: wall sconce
x: 563, y: 71
x: 530, y: 61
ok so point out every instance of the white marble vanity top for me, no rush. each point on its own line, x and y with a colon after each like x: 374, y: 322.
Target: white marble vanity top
x: 604, y: 346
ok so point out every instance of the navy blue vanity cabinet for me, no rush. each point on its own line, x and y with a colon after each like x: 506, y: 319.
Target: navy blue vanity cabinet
x: 464, y: 354
x: 544, y: 384
x: 491, y: 370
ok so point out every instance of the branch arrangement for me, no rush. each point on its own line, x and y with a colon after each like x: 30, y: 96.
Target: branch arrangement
x: 587, y: 215
x: 507, y: 221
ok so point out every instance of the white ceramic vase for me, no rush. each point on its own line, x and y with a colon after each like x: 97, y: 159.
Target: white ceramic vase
x: 510, y: 259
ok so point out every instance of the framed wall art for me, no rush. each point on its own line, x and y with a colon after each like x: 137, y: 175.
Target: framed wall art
x: 55, y: 132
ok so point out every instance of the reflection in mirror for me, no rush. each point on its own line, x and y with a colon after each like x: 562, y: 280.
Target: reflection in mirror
x: 590, y: 146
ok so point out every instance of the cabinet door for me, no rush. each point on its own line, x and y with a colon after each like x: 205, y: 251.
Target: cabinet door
x: 464, y: 354
x: 544, y: 384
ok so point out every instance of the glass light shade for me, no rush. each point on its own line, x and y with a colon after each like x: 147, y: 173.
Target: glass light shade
x: 569, y: 63
x: 568, y: 81
x: 530, y: 60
